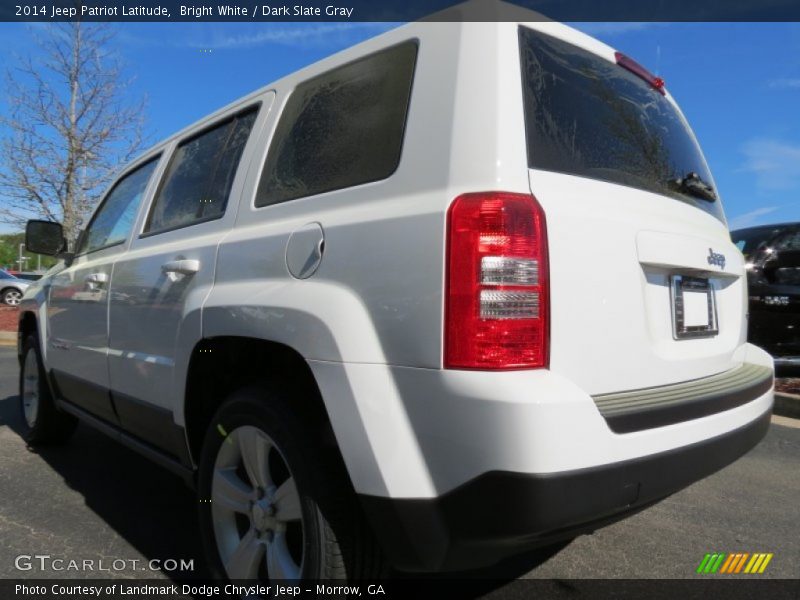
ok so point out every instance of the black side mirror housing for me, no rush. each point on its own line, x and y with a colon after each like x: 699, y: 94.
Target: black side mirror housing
x: 45, y: 237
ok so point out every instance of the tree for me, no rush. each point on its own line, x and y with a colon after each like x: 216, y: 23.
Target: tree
x: 10, y: 254
x: 69, y: 127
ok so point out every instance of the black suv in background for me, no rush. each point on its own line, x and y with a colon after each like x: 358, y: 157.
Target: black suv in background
x: 772, y: 253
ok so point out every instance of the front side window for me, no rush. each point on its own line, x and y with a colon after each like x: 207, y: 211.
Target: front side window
x: 590, y: 117
x: 114, y: 219
x: 200, y: 175
x: 342, y: 128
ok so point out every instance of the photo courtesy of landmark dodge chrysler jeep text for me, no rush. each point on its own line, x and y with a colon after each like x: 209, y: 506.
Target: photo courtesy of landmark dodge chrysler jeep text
x: 461, y: 290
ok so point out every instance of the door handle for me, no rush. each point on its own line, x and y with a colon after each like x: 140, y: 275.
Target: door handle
x: 96, y: 278
x: 182, y: 267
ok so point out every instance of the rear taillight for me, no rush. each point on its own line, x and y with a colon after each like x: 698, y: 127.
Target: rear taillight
x: 497, y: 301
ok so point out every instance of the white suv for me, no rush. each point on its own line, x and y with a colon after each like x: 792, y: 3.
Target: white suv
x: 459, y: 291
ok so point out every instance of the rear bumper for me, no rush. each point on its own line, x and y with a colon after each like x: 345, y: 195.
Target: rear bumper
x: 640, y: 410
x: 500, y: 513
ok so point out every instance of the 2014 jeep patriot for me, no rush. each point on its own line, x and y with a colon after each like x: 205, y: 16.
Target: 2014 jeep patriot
x: 458, y: 291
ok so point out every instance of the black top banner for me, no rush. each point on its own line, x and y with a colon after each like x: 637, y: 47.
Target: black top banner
x: 398, y: 10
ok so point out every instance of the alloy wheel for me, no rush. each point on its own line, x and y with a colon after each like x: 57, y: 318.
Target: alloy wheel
x: 12, y: 297
x: 256, y: 509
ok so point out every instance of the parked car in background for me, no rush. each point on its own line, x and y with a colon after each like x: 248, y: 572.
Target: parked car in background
x: 772, y: 254
x: 11, y: 288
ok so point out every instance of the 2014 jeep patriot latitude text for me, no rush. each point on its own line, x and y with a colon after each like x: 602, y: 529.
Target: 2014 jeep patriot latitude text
x: 440, y: 298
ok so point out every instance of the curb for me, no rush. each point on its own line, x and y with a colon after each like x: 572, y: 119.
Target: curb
x: 787, y: 405
x: 8, y: 338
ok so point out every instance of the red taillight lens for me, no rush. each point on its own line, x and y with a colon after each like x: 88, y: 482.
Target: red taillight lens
x: 497, y: 300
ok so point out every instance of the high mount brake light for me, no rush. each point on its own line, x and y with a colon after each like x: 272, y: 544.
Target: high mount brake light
x: 497, y: 299
x: 626, y: 62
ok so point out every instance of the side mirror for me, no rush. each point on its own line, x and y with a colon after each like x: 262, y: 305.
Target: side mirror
x: 769, y: 268
x: 45, y: 237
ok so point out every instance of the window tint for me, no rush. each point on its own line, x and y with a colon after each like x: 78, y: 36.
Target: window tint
x: 789, y: 242
x: 342, y: 128
x: 757, y: 239
x: 198, y: 180
x: 589, y: 117
x: 114, y: 219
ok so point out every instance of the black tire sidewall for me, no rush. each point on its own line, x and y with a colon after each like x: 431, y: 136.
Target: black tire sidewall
x: 32, y: 433
x: 51, y: 426
x: 257, y: 407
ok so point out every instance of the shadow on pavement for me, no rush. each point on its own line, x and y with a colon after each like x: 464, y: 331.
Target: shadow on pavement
x: 481, y: 582
x: 152, y: 509
x: 155, y: 512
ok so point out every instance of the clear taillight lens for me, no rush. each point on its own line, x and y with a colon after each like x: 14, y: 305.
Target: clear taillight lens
x: 502, y: 270
x: 496, y: 311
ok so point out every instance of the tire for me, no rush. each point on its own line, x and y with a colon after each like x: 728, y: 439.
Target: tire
x: 11, y: 296
x: 43, y: 423
x: 287, y: 511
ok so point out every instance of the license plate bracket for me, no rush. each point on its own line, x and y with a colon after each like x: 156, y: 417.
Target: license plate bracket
x: 694, y: 308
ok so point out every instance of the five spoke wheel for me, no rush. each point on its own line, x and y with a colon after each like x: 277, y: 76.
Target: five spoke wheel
x: 12, y: 297
x: 256, y: 510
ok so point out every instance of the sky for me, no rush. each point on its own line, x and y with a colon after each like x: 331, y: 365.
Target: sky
x: 737, y: 83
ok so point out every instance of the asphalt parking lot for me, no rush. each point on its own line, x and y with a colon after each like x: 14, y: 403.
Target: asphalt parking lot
x: 94, y: 499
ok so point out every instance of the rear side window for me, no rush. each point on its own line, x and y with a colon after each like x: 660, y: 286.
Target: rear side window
x: 198, y: 180
x: 341, y: 129
x: 114, y: 219
x: 587, y: 116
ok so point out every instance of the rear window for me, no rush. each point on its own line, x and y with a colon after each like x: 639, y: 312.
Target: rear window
x: 342, y: 128
x: 589, y: 117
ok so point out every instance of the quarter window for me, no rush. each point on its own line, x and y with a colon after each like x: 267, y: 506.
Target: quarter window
x: 114, y: 219
x: 342, y: 128
x: 200, y: 175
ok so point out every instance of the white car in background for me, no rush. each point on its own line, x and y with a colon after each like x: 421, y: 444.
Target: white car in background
x: 11, y: 288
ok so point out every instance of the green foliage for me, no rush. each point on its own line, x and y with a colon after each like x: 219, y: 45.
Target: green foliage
x: 9, y: 254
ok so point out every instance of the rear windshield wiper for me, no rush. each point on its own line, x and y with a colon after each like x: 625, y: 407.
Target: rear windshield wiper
x: 693, y: 184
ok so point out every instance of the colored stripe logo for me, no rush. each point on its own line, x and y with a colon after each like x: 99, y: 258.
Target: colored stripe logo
x: 734, y: 563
